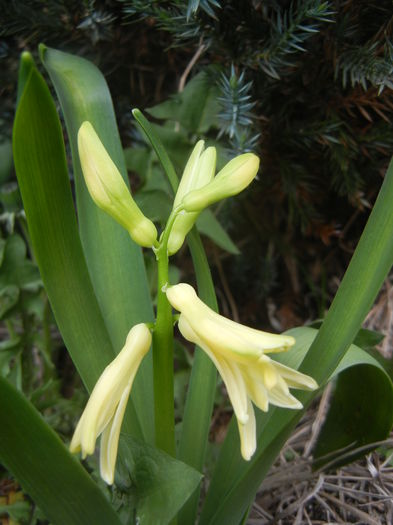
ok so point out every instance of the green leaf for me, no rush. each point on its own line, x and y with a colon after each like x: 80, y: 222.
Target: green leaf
x: 368, y: 339
x: 6, y: 161
x: 16, y: 269
x: 9, y: 297
x: 360, y: 413
x: 25, y: 66
x: 196, y: 107
x: 162, y: 155
x: 115, y: 263
x: 138, y: 159
x: 18, y: 511
x: 208, y: 225
x: 44, y: 467
x: 41, y: 169
x: 2, y: 250
x: 162, y: 483
x: 9, y: 350
x: 155, y: 204
x: 234, y: 484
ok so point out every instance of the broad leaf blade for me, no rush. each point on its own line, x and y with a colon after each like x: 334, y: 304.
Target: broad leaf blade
x: 196, y: 107
x: 208, y: 225
x: 230, y: 493
x: 115, y: 262
x: 45, y: 469
x: 162, y: 483
x: 43, y: 181
x: 360, y: 414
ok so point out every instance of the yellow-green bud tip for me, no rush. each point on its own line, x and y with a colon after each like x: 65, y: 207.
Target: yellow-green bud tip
x: 236, y: 175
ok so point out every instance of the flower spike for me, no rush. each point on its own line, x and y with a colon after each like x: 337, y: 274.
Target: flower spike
x: 240, y: 355
x: 105, y: 409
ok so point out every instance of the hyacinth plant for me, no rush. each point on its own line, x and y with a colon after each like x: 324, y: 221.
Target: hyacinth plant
x: 94, y: 274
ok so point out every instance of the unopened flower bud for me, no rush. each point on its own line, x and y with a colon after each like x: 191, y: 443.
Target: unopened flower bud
x: 108, y: 189
x: 199, y: 171
x: 235, y: 176
x: 190, y: 173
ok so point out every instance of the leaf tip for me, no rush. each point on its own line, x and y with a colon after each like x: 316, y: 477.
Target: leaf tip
x: 27, y: 58
x: 42, y: 50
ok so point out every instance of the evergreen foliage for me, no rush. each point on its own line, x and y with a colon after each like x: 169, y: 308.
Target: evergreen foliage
x: 236, y: 118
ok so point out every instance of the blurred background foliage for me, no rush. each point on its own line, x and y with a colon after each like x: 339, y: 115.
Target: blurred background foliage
x: 305, y: 84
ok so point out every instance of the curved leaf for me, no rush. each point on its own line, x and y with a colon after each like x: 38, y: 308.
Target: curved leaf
x: 44, y: 467
x: 162, y: 484
x: 234, y: 484
x: 115, y: 262
x: 42, y: 174
x: 208, y: 225
x: 360, y: 414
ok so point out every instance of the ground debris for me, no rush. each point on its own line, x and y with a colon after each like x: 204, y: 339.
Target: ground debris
x: 292, y: 494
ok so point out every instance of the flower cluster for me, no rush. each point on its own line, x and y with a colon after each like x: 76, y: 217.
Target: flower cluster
x: 199, y: 188
x: 239, y: 354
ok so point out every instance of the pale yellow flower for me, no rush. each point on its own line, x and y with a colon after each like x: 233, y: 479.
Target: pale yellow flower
x: 239, y: 353
x: 108, y: 189
x: 234, y: 177
x: 199, y: 171
x: 105, y: 409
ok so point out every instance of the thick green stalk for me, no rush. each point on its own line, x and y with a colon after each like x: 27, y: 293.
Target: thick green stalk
x: 164, y: 401
x: 200, y: 396
x: 163, y: 364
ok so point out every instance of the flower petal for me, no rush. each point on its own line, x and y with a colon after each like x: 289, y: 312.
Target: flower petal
x: 224, y: 334
x: 256, y: 390
x: 295, y: 379
x: 281, y: 397
x: 225, y: 341
x: 110, y: 439
x: 229, y: 372
x: 247, y: 432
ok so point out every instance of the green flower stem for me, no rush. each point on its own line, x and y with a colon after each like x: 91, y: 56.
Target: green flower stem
x: 163, y: 351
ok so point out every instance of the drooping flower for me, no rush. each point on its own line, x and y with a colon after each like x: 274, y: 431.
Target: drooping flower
x: 239, y: 354
x: 108, y: 189
x: 105, y: 409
